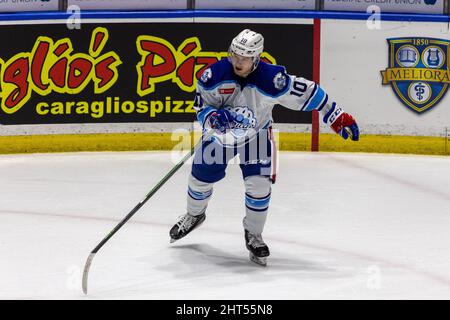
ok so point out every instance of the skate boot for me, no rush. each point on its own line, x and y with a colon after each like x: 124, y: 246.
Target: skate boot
x: 186, y: 224
x: 258, y: 249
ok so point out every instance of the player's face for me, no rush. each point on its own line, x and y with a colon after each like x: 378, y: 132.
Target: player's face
x: 242, y: 65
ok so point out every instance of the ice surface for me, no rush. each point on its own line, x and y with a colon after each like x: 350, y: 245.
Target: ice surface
x: 340, y: 226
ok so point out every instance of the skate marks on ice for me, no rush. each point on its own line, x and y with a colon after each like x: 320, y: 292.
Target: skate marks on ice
x: 202, y: 271
x: 198, y: 255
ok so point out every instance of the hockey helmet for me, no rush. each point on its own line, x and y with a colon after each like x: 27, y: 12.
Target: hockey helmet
x: 248, y: 44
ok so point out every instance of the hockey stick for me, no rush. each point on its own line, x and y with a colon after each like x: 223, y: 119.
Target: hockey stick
x: 138, y: 206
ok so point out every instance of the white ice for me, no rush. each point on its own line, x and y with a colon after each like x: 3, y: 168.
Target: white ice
x: 340, y: 226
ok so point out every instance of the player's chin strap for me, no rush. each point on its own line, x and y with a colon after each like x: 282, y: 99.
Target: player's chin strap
x: 256, y: 62
x: 91, y: 256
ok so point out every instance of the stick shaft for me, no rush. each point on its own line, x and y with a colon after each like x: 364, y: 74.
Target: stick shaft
x: 137, y: 207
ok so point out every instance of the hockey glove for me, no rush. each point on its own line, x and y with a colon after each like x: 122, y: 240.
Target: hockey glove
x: 220, y: 121
x: 346, y: 127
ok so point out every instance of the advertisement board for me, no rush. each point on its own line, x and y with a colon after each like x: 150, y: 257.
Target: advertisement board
x: 127, y: 72
x: 129, y: 4
x: 394, y: 79
x: 257, y: 4
x: 401, y: 6
x: 30, y: 5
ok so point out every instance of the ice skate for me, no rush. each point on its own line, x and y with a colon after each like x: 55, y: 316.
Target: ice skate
x: 186, y: 224
x: 258, y: 250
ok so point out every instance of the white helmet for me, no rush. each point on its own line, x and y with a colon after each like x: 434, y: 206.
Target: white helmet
x: 248, y: 44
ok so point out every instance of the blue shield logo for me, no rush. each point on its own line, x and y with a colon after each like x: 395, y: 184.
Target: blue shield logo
x: 418, y: 71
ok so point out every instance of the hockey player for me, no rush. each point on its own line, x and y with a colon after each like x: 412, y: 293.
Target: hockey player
x: 235, y: 98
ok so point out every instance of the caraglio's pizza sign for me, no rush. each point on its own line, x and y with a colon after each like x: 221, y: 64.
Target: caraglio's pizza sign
x: 55, y: 66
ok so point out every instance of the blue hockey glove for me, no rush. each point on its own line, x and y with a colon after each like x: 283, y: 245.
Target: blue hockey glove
x: 220, y: 120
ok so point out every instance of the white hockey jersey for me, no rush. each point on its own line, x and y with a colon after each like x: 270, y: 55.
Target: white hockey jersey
x: 251, y: 100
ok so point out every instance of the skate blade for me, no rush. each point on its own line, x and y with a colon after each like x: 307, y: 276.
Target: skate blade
x: 259, y: 261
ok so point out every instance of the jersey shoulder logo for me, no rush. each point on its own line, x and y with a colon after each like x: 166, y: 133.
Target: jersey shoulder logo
x: 206, y: 75
x: 418, y: 71
x: 279, y: 81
